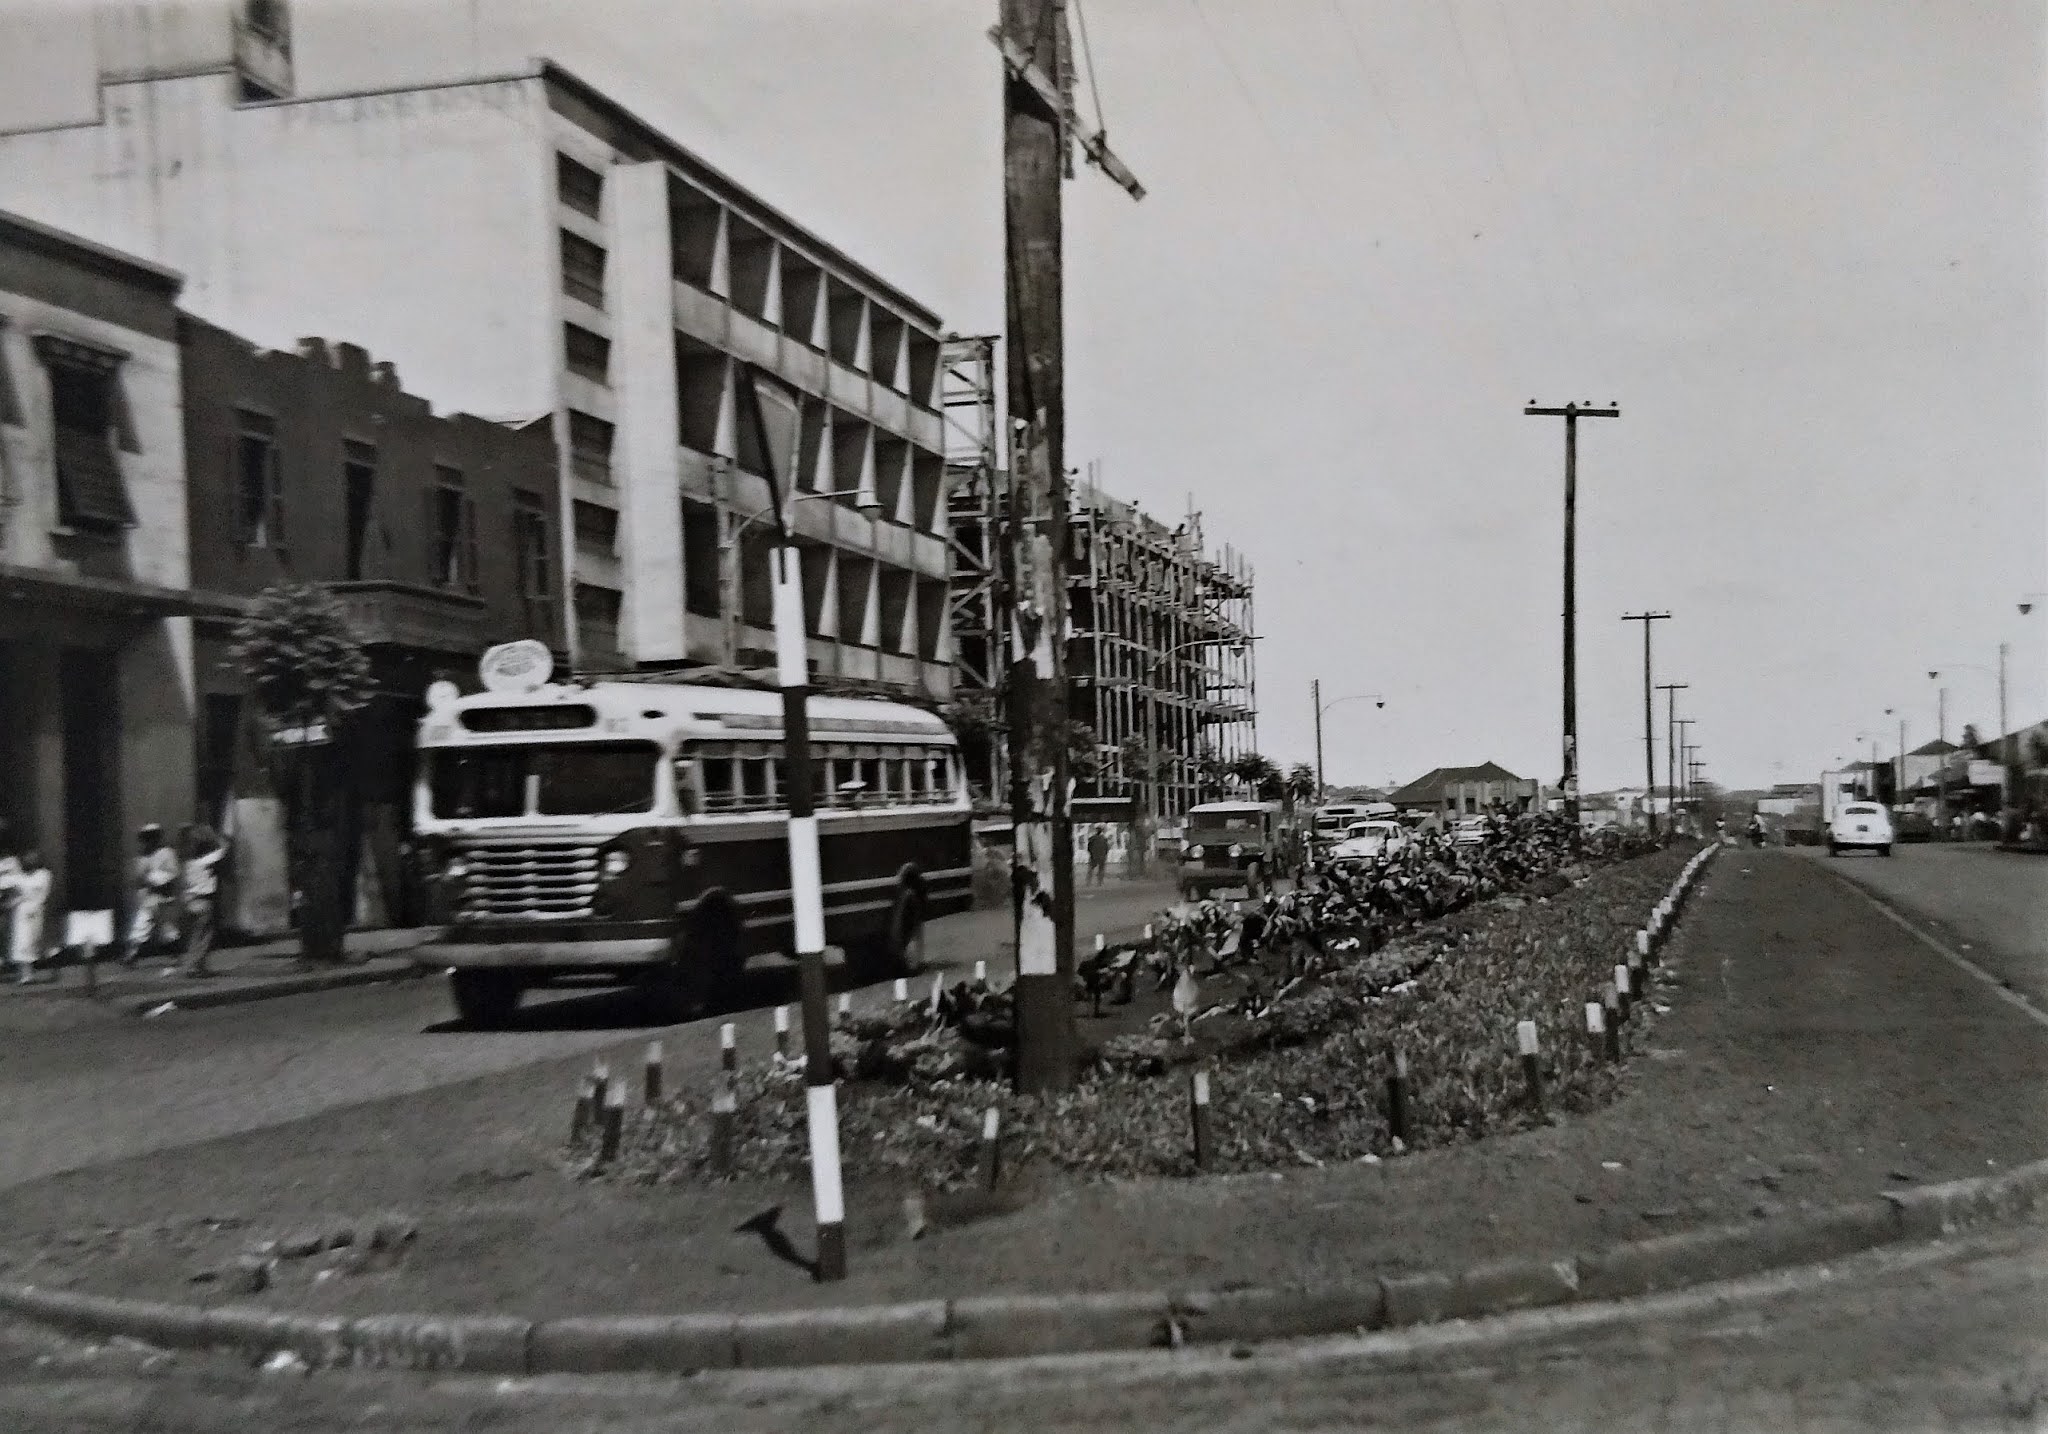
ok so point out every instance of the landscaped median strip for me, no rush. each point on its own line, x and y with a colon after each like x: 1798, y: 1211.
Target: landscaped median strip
x: 1021, y: 1325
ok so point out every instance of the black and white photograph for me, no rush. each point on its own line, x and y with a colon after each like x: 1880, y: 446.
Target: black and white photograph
x: 818, y: 716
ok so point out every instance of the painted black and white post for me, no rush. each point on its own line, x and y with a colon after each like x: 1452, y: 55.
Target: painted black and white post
x: 781, y: 422
x: 1532, y: 1063
x: 1397, y: 1101
x: 1198, y: 1114
x: 651, y: 1080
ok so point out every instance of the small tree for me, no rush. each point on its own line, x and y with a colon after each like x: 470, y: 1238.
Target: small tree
x: 1301, y: 782
x: 1212, y: 772
x: 309, y: 672
x: 1259, y: 775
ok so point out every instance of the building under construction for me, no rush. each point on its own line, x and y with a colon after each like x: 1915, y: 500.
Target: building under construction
x: 1160, y: 664
x: 1161, y: 660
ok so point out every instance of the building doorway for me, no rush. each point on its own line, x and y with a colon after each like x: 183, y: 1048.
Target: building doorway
x: 90, y: 714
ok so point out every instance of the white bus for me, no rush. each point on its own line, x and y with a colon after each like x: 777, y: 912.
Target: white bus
x: 636, y: 831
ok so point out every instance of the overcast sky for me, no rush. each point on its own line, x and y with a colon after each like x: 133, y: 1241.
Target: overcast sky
x: 1800, y: 244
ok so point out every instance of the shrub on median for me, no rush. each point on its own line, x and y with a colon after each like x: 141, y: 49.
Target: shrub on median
x: 1304, y: 1083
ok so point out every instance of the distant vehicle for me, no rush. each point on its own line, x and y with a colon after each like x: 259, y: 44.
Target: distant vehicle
x: 1803, y: 826
x: 1860, y: 824
x: 1328, y: 825
x: 1366, y: 841
x: 1471, y: 831
x: 1911, y: 824
x: 1230, y: 844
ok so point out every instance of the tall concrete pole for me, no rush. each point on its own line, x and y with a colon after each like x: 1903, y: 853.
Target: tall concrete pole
x: 1315, y: 695
x: 1649, y: 718
x: 1672, y: 689
x: 1571, y: 413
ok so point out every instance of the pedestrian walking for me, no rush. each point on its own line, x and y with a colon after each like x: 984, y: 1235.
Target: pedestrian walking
x: 203, y: 852
x: 1098, y: 855
x: 156, y: 895
x: 28, y: 898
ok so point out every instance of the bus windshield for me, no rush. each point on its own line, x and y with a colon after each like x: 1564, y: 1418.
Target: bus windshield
x: 543, y: 779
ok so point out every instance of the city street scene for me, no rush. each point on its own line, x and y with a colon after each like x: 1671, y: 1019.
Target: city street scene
x: 1212, y: 715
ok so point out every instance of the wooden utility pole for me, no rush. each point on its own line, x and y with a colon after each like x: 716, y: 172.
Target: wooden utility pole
x: 1671, y: 745
x: 1571, y: 413
x: 1649, y: 720
x: 1038, y: 124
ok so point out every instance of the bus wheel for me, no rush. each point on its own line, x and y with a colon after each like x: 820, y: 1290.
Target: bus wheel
x: 485, y: 999
x: 887, y: 953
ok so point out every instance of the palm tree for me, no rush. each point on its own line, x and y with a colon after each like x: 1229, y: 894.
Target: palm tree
x: 1301, y: 782
x: 1259, y: 774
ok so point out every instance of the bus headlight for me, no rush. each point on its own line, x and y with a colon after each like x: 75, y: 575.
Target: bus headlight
x: 615, y: 862
x: 455, y: 870
x: 1236, y: 851
x: 1194, y: 853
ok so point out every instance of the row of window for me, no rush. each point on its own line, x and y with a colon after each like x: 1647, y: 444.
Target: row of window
x: 720, y: 777
x: 859, y: 333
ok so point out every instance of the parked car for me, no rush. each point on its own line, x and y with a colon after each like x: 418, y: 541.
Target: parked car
x: 1367, y: 841
x: 1911, y: 824
x: 1860, y: 824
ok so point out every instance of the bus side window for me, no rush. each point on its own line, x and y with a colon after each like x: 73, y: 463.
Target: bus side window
x: 721, y: 790
x: 821, y: 781
x: 892, y: 780
x: 917, y: 766
x: 778, y: 774
x: 683, y: 771
x: 753, y: 782
x: 871, y: 777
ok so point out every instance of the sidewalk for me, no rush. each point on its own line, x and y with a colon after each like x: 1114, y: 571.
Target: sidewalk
x: 258, y: 971
x: 1812, y: 1053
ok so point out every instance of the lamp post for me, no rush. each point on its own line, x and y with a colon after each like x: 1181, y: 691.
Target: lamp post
x: 2005, y: 765
x: 867, y: 502
x: 1157, y: 665
x: 1899, y: 782
x: 1316, y: 692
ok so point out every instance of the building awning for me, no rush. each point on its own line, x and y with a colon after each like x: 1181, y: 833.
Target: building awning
x: 111, y: 597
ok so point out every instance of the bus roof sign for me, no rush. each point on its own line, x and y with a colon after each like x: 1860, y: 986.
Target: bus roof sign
x: 518, y: 666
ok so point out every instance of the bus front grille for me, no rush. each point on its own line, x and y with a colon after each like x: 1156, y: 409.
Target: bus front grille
x: 525, y: 878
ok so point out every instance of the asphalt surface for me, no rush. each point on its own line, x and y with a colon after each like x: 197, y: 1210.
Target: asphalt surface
x: 1989, y: 905
x: 83, y: 1085
x: 1951, y: 1337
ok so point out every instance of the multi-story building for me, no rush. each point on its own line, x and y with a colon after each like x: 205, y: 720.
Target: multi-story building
x: 96, y: 695
x: 1160, y: 663
x: 524, y: 247
x: 438, y: 533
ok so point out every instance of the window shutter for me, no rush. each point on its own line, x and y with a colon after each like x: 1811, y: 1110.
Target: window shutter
x: 470, y: 576
x: 238, y: 502
x: 274, y: 461
x: 437, y: 572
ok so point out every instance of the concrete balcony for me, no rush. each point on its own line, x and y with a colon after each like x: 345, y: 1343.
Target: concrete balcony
x: 395, y: 614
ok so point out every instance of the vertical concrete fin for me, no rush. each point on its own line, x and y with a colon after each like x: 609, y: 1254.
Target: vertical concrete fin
x: 649, y: 425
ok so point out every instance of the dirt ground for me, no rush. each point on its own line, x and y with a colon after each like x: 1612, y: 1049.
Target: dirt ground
x: 1812, y: 1051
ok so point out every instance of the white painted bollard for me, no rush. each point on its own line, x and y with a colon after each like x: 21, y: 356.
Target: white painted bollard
x: 991, y: 1148
x: 938, y: 990
x: 650, y: 1086
x: 614, y: 1122
x: 845, y: 1004
x: 1623, y: 990
x: 981, y: 973
x: 901, y: 991
x: 1532, y: 1066
x: 1198, y: 1114
x: 725, y: 1101
x: 782, y: 1032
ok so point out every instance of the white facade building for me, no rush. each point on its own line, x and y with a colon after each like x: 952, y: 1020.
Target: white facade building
x: 521, y: 245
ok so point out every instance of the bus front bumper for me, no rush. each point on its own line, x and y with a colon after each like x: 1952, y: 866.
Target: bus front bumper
x: 608, y: 955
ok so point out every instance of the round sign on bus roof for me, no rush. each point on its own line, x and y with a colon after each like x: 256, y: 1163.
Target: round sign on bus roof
x: 518, y: 666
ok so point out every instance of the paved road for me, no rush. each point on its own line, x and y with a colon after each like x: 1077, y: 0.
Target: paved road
x: 1990, y: 905
x: 1948, y: 1337
x: 81, y: 1086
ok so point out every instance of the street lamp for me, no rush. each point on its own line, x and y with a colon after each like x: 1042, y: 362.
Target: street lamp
x: 1157, y: 664
x: 783, y: 513
x: 1316, y: 693
x: 2006, y: 762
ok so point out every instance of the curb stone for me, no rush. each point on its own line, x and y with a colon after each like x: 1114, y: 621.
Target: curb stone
x: 1016, y: 1326
x: 272, y: 988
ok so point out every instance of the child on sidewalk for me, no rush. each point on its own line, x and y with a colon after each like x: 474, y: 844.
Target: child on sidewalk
x: 203, y: 851
x: 28, y: 886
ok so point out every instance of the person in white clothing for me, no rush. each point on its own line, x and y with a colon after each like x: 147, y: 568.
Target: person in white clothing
x: 203, y: 851
x: 29, y: 886
x: 157, y: 894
